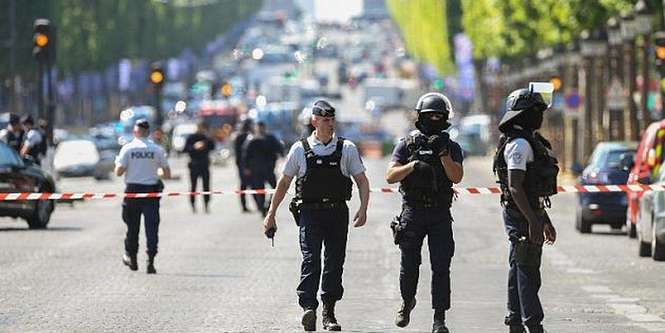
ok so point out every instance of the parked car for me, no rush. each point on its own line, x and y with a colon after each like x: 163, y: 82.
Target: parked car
x: 17, y: 175
x: 606, y: 167
x: 81, y: 158
x: 648, y: 160
x: 651, y: 222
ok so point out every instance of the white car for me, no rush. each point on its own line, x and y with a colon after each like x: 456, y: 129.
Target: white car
x: 80, y: 158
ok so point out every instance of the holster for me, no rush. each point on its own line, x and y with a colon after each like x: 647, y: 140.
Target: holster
x: 398, y: 229
x: 294, y: 207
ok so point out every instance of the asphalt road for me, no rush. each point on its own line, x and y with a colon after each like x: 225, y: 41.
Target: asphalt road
x: 218, y: 273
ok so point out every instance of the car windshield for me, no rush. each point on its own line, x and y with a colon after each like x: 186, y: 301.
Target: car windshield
x: 609, y: 158
x: 9, y: 157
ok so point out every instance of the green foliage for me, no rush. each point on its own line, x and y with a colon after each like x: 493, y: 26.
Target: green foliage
x: 512, y: 28
x: 424, y: 27
x: 93, y: 34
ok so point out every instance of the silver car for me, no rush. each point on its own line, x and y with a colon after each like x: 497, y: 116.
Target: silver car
x: 651, y: 222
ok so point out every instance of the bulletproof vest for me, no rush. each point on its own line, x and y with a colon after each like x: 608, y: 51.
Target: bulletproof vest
x: 429, y: 188
x: 15, y: 140
x: 540, y: 181
x: 43, y: 145
x: 323, y: 180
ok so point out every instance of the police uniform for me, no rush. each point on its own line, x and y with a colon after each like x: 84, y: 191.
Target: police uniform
x: 427, y: 194
x: 523, y: 149
x: 427, y: 197
x: 141, y: 158
x: 323, y: 186
x: 14, y: 139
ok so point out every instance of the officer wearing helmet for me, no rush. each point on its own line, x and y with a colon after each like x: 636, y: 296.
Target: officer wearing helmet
x: 527, y: 173
x: 427, y: 164
x: 323, y: 165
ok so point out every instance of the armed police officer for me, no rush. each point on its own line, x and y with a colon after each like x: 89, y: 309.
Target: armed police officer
x: 427, y: 164
x: 139, y: 161
x: 323, y: 164
x: 527, y: 173
x: 14, y: 134
x: 238, y: 145
x: 34, y: 143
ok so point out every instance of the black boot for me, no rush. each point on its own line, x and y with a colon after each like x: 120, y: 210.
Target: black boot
x: 151, y: 265
x: 536, y: 329
x: 328, y: 317
x: 404, y: 312
x: 309, y: 320
x: 439, y: 325
x: 130, y: 261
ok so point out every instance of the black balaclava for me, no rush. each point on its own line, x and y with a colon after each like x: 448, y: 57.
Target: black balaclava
x: 430, y: 127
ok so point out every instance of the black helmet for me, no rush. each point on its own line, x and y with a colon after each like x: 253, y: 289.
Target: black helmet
x: 519, y: 101
x: 434, y: 102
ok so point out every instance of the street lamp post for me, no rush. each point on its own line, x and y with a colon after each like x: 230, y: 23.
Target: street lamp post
x: 616, y: 102
x: 628, y: 32
x: 592, y: 49
x: 643, y: 25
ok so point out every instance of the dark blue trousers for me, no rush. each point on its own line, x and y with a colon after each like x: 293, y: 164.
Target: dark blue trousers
x: 524, y: 278
x: 436, y: 224
x: 132, y: 209
x: 327, y: 229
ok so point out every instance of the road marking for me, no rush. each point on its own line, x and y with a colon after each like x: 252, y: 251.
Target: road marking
x: 597, y: 289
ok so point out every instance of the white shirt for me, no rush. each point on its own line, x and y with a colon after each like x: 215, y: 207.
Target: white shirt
x: 141, y: 158
x: 296, y: 163
x: 517, y: 154
x: 33, y: 138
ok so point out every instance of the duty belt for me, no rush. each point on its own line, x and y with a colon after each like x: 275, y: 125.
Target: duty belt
x: 323, y: 205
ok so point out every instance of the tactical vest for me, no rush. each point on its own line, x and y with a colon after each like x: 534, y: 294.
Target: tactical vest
x: 540, y: 181
x: 425, y: 189
x: 323, y: 181
x: 15, y: 140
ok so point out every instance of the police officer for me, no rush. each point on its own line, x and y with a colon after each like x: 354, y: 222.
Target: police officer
x: 139, y: 161
x: 13, y: 135
x: 323, y: 165
x: 427, y: 164
x: 34, y: 144
x: 527, y: 173
x: 199, y: 146
x: 238, y: 148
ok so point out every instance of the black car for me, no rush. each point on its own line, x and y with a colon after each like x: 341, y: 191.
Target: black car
x: 605, y: 168
x: 18, y: 175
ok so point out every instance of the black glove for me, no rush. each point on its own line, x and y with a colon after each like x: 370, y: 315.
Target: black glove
x: 422, y: 168
x: 440, y: 143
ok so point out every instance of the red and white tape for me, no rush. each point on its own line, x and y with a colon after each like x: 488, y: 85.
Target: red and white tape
x: 460, y: 190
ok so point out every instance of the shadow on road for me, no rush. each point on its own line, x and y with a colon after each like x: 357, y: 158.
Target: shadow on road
x: 51, y: 229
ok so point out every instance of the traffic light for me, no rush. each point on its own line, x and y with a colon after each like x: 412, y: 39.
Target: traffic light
x: 556, y: 82
x: 43, y: 40
x: 157, y: 76
x: 226, y: 89
x: 660, y: 46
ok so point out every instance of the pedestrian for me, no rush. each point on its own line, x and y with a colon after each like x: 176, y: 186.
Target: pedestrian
x: 426, y: 163
x: 34, y: 144
x: 323, y: 164
x: 198, y: 146
x: 527, y: 173
x: 13, y: 135
x: 260, y: 154
x: 140, y: 161
x: 238, y: 145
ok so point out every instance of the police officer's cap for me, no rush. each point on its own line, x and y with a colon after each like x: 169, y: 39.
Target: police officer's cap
x: 142, y: 123
x: 434, y: 102
x: 323, y: 109
x: 522, y: 100
x: 27, y: 119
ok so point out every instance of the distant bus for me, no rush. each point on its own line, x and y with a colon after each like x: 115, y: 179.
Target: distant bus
x: 220, y: 116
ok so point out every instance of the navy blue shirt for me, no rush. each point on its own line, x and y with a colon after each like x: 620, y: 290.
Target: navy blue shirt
x: 401, y: 152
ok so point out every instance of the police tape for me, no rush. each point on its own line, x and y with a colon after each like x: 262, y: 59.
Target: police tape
x: 65, y: 196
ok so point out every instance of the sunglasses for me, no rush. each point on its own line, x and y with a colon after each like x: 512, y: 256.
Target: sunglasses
x: 323, y: 112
